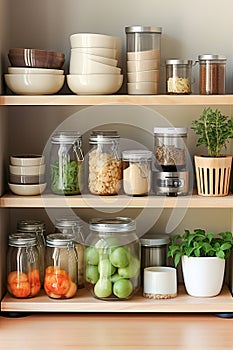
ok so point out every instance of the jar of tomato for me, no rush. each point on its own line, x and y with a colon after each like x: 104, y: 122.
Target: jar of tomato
x: 23, y: 273
x: 61, y: 266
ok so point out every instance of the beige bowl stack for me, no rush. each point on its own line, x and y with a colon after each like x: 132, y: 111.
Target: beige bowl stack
x: 27, y: 174
x: 35, y: 72
x: 143, y: 71
x: 93, y: 65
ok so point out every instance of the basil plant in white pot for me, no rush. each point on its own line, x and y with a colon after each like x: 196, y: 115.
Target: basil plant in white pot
x: 213, y: 170
x: 203, y: 257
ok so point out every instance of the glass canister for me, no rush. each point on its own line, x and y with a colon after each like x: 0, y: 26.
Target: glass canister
x: 112, y: 259
x: 137, y: 172
x: 23, y: 273
x: 36, y: 227
x: 170, y: 147
x: 105, y: 165
x: 73, y: 226
x: 61, y: 268
x: 178, y: 76
x: 212, y: 74
x: 66, y: 163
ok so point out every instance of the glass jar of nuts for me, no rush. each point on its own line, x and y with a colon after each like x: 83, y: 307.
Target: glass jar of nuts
x: 105, y: 165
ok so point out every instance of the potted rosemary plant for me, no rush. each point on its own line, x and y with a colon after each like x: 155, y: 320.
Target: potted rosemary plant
x: 213, y: 170
x: 203, y: 257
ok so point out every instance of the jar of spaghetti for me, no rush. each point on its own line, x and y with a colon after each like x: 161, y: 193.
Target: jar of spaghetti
x: 212, y: 74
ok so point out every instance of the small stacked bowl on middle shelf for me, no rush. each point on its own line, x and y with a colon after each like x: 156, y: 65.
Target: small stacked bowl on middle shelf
x: 35, y: 72
x: 93, y: 64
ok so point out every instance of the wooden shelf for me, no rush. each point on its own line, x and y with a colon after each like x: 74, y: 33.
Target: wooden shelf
x: 84, y: 100
x: 84, y: 302
x: 119, y: 201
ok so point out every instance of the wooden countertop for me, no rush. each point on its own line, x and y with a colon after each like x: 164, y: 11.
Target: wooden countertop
x: 114, y: 331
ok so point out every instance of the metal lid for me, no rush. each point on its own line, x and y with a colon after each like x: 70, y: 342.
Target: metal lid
x: 103, y: 136
x: 154, y: 240
x: 136, y: 155
x: 67, y: 222
x: 58, y: 239
x: 170, y: 131
x: 143, y: 29
x: 66, y: 137
x: 22, y: 239
x: 117, y: 224
x: 177, y: 61
x: 211, y: 58
x: 31, y: 225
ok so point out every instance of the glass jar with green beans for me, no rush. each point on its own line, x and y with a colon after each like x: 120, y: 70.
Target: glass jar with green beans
x: 66, y: 163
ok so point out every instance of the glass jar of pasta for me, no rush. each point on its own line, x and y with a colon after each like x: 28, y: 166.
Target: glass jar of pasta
x: 178, y: 76
x: 61, y: 268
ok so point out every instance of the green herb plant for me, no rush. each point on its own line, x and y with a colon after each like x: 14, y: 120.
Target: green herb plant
x: 215, y: 130
x: 200, y: 244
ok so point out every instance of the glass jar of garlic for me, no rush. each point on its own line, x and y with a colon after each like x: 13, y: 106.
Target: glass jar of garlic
x: 105, y: 165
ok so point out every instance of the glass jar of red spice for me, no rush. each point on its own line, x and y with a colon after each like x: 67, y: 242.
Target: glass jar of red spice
x: 212, y: 74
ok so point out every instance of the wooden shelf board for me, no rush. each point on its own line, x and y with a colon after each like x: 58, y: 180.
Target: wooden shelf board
x: 119, y: 201
x: 63, y: 100
x: 84, y: 302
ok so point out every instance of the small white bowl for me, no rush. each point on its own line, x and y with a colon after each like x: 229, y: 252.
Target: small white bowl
x: 147, y: 75
x: 27, y: 190
x: 93, y: 40
x: 94, y: 84
x: 34, y: 84
x: 98, y: 51
x: 80, y: 57
x: 27, y: 159
x: 91, y: 67
x: 143, y: 55
x: 26, y: 70
x: 143, y: 88
x: 142, y: 65
x: 27, y: 170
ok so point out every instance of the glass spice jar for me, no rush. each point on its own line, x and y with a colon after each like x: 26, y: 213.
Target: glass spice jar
x: 178, y: 76
x: 137, y: 172
x: 23, y: 273
x: 212, y: 74
x: 61, y: 268
x: 66, y: 160
x: 105, y: 165
x: 72, y: 226
x: 112, y: 259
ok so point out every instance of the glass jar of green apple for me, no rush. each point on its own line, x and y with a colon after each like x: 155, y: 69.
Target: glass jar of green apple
x: 112, y: 258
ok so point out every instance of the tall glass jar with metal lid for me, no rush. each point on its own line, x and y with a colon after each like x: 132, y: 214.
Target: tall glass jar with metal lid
x: 112, y: 258
x: 66, y: 162
x: 137, y: 172
x: 105, y: 165
x: 61, y: 268
x: 212, y: 74
x: 72, y: 225
x: 38, y: 228
x: 23, y: 273
x: 178, y: 76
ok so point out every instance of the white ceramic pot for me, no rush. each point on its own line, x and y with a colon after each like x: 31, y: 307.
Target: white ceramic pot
x: 203, y: 276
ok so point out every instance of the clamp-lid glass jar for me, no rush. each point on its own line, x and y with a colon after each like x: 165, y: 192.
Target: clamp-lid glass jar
x: 23, y: 274
x: 61, y: 268
x: 178, y: 76
x: 137, y: 172
x: 212, y: 74
x: 112, y: 259
x: 66, y: 161
x: 73, y: 226
x: 38, y: 228
x: 105, y: 165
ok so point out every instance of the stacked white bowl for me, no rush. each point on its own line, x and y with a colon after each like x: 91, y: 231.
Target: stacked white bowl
x: 34, y: 81
x: 93, y: 65
x: 143, y: 68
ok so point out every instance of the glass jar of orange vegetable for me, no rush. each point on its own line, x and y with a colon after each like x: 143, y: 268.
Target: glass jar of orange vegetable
x: 23, y: 274
x: 61, y: 266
